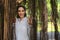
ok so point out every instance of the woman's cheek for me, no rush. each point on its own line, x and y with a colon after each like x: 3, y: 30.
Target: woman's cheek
x: 21, y: 14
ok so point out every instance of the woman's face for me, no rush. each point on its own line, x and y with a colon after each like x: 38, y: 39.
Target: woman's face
x: 21, y: 12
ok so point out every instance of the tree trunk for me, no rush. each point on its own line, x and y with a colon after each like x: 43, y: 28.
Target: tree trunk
x: 44, y: 20
x: 6, y: 19
x: 1, y: 19
x: 34, y: 26
x: 9, y: 14
x: 55, y: 17
x: 12, y: 13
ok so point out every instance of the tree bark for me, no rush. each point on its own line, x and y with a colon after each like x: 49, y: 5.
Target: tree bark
x: 44, y: 20
x: 55, y: 17
x: 6, y: 18
x: 1, y: 19
x: 12, y: 14
x: 9, y: 14
x: 34, y: 26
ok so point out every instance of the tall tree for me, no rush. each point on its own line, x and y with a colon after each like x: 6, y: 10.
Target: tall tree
x: 6, y: 18
x: 34, y: 26
x: 44, y: 20
x: 12, y: 13
x: 9, y: 12
x: 55, y: 17
x: 1, y: 19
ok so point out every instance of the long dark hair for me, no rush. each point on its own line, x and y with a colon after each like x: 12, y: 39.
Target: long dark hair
x: 23, y: 8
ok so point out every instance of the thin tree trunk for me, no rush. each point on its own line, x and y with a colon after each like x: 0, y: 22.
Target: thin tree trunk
x: 34, y: 26
x: 6, y: 18
x: 1, y: 20
x: 12, y: 13
x: 44, y: 20
x: 55, y: 17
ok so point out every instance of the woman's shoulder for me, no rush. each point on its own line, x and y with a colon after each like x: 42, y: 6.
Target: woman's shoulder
x: 17, y: 19
x: 26, y: 18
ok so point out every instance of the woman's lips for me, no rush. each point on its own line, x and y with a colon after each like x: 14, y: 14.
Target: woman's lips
x: 20, y: 14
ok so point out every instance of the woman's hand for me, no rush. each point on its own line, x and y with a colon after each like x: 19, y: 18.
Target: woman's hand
x: 13, y: 20
x: 30, y: 20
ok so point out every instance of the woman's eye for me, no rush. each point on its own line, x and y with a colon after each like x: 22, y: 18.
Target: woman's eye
x: 22, y: 10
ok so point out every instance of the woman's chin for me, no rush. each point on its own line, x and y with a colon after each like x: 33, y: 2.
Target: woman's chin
x: 21, y: 17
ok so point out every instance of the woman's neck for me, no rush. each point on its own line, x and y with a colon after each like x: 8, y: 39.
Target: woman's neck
x: 21, y: 18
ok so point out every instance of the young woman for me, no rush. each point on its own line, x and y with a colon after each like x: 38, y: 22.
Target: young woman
x: 22, y: 24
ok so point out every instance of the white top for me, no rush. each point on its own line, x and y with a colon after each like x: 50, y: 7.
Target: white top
x: 22, y: 29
